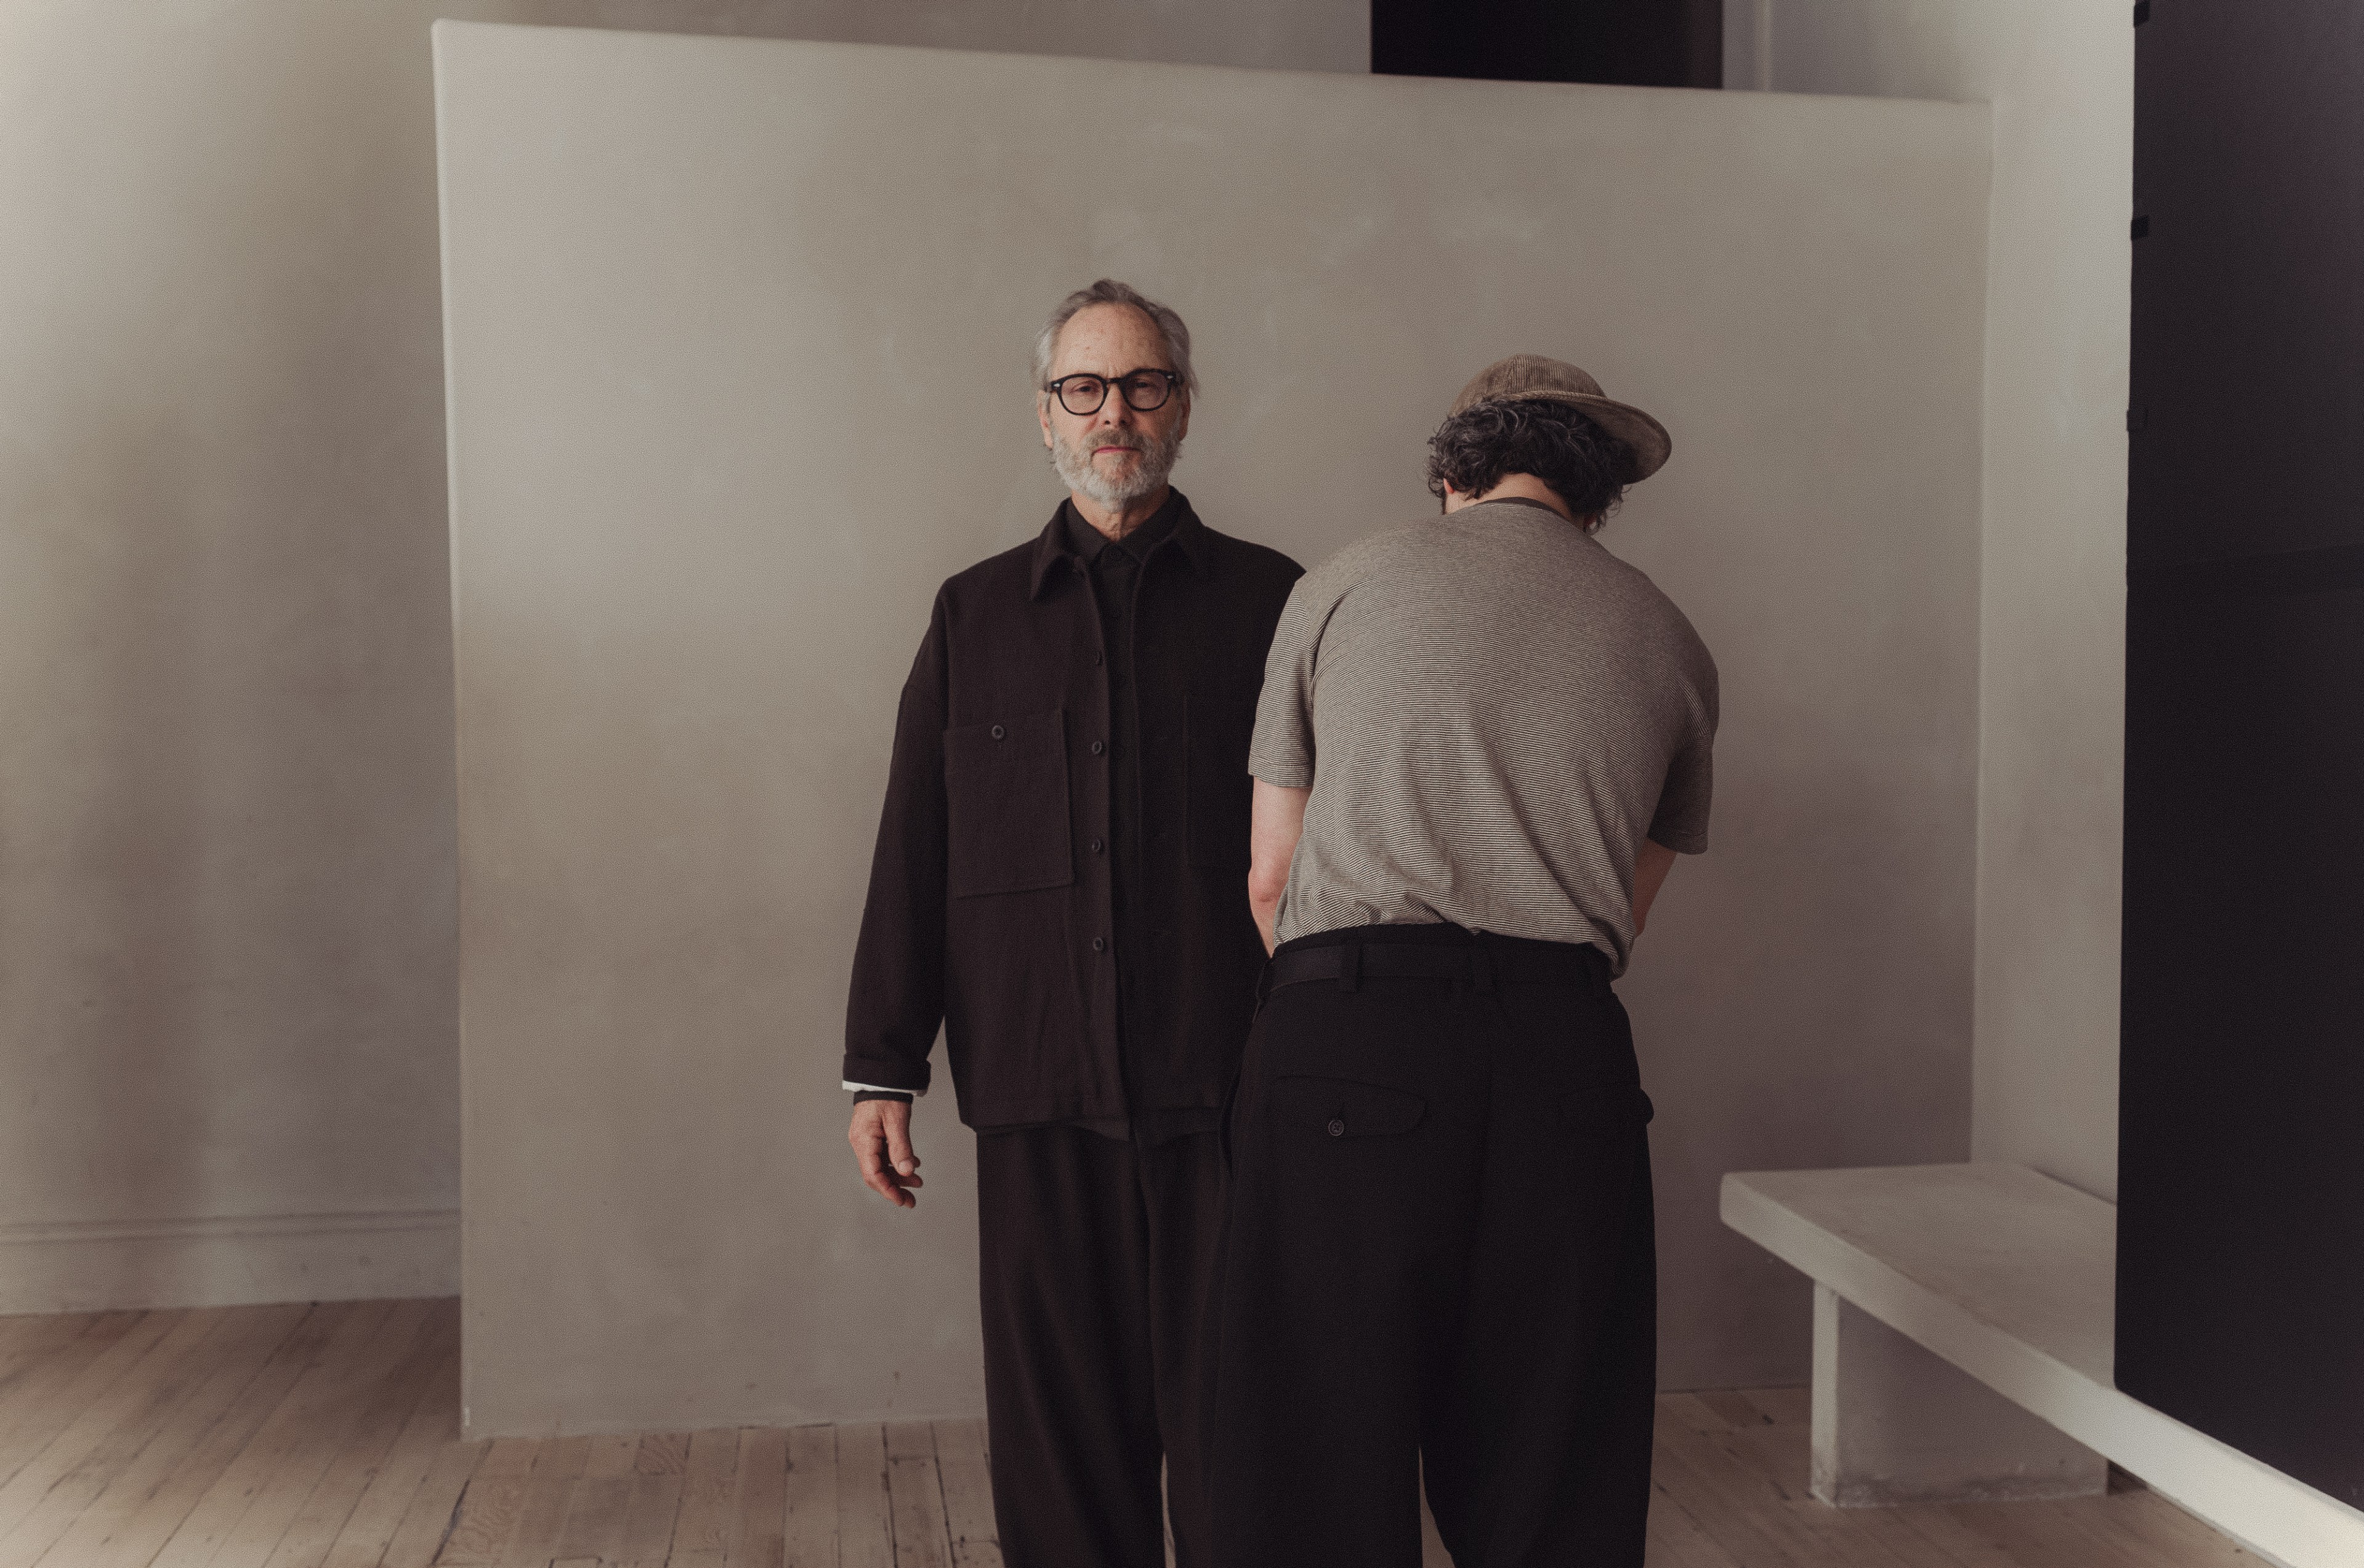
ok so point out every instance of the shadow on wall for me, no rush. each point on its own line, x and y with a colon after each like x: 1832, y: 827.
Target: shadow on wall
x: 103, y: 950
x: 226, y: 918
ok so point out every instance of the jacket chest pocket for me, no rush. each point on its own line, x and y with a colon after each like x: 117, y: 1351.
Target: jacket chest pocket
x: 1006, y: 791
x: 1220, y: 795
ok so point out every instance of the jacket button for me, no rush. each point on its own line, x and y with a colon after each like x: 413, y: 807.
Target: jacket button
x: 1098, y: 847
x: 1000, y: 733
x: 1099, y: 944
x: 1099, y: 747
x: 1337, y: 1128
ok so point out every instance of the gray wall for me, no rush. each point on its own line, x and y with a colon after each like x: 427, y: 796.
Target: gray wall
x: 228, y: 980
x: 2052, y: 610
x: 738, y: 336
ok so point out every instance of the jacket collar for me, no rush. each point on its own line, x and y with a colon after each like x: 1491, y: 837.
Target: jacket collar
x: 1051, y: 549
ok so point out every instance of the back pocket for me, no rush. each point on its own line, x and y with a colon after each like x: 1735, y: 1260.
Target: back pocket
x: 1343, y: 1108
x: 1005, y: 790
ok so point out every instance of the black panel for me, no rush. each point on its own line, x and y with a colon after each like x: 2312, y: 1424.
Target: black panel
x: 2241, y: 1163
x: 1646, y: 43
x: 2241, y: 1196
x: 2249, y: 316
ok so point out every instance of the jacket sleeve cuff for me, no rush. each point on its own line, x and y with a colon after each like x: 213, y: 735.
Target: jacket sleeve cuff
x: 886, y: 1073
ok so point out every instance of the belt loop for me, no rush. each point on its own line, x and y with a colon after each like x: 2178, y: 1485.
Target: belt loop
x: 1350, y: 967
x: 1481, y: 966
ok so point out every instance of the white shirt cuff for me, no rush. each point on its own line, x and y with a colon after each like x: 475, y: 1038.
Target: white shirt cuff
x: 885, y: 1089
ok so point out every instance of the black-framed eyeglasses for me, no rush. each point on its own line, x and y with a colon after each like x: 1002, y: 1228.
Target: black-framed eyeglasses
x: 1145, y: 389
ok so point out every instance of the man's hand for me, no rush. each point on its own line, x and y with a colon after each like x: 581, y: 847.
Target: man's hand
x: 1277, y: 823
x: 881, y: 1136
x: 1650, y: 869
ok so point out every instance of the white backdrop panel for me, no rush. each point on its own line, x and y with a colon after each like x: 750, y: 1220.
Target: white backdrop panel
x: 736, y: 340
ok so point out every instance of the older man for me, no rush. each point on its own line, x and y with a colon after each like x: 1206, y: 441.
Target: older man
x: 1058, y: 883
x: 1483, y: 740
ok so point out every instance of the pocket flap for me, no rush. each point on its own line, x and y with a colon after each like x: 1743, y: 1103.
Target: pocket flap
x: 1343, y: 1108
x: 1006, y: 796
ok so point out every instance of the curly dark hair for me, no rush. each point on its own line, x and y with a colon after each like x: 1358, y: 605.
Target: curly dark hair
x: 1477, y: 449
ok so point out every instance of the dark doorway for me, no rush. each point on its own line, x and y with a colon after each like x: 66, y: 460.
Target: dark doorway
x: 2240, y: 1304
x: 1642, y: 43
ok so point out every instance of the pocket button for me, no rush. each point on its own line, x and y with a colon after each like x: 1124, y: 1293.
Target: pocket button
x: 1337, y: 1128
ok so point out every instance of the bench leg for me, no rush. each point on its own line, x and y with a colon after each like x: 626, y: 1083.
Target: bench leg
x: 1894, y: 1423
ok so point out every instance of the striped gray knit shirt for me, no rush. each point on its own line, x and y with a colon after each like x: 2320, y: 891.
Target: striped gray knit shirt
x: 1491, y: 711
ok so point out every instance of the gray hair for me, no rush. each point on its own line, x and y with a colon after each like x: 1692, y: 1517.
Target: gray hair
x: 1108, y: 291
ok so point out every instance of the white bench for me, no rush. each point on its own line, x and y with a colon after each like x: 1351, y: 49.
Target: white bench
x: 1963, y: 1332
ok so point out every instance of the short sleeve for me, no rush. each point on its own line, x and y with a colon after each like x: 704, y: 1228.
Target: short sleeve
x: 1681, y: 821
x: 1282, y: 751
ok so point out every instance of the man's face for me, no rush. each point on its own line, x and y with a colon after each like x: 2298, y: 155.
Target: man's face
x: 1117, y: 454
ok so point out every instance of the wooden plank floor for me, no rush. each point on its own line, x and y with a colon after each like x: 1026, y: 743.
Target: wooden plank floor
x: 327, y: 1435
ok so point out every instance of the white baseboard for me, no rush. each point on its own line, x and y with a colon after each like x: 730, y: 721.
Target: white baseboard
x: 104, y: 1265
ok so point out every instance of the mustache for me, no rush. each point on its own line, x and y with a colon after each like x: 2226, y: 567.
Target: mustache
x: 1154, y: 455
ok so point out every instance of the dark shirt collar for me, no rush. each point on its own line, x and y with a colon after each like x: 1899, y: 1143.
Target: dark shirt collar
x: 1068, y: 539
x: 1088, y: 542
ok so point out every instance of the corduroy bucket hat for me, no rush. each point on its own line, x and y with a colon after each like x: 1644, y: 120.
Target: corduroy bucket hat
x: 1532, y: 377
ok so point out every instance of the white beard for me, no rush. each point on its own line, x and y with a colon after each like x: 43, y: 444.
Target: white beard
x: 1148, y: 472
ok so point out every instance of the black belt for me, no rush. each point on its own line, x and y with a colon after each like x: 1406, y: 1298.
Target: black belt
x: 1483, y: 968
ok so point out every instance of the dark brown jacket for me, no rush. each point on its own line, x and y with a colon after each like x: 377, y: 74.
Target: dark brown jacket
x: 991, y: 908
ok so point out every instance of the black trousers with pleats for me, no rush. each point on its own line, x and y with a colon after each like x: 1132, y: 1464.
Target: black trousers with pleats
x: 1094, y: 1254
x: 1437, y: 1255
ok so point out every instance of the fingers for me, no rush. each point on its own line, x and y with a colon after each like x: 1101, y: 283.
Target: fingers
x: 882, y: 1181
x: 897, y: 1118
x: 873, y: 1149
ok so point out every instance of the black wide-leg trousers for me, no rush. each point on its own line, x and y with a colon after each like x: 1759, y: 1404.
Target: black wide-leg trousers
x: 1437, y: 1252
x: 1094, y: 1254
